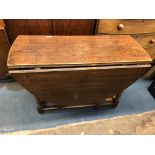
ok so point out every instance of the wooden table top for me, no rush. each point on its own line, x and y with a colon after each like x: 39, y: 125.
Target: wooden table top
x: 56, y: 51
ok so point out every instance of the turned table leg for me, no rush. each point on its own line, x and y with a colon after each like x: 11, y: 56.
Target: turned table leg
x: 40, y: 105
x: 152, y: 89
x: 115, y: 100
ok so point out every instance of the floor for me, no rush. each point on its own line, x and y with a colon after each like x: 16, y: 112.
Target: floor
x: 135, y: 124
x: 18, y: 113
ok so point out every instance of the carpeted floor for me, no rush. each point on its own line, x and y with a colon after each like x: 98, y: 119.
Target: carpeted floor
x: 135, y: 124
x: 17, y: 108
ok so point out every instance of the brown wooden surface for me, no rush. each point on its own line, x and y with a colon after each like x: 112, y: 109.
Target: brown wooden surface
x: 74, y: 26
x: 145, y: 41
x: 4, y: 50
x: 78, y: 86
x: 150, y: 74
x: 75, y: 85
x: 15, y: 27
x: 1, y: 24
x: 56, y: 51
x: 136, y: 26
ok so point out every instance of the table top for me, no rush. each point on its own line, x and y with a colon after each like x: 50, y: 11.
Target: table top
x: 57, y: 51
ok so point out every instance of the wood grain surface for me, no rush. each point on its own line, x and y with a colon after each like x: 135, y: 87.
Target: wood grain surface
x: 15, y: 27
x: 76, y: 70
x: 145, y: 41
x: 78, y: 86
x: 58, y: 51
x: 131, y: 26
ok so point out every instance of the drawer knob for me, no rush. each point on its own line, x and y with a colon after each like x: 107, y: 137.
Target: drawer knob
x: 120, y: 27
x: 152, y: 41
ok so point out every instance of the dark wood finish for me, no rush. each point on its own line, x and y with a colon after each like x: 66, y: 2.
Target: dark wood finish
x: 126, y: 26
x: 74, y: 26
x: 56, y: 51
x: 80, y: 86
x: 15, y: 27
x: 73, y: 71
x: 150, y: 74
x: 4, y: 49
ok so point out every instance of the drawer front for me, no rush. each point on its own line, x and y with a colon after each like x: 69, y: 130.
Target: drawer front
x: 147, y: 41
x: 125, y: 26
